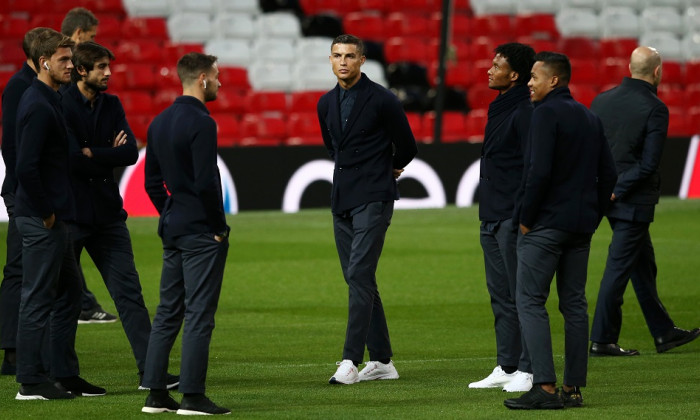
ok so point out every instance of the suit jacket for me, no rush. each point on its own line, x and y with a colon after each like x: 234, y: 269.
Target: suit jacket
x: 42, y: 156
x: 377, y: 139
x: 635, y: 122
x: 502, y: 152
x: 96, y: 192
x: 181, y: 176
x: 571, y: 172
x: 11, y: 96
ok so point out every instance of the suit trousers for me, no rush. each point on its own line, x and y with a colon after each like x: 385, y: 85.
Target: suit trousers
x: 50, y: 303
x: 190, y: 285
x: 630, y: 256
x: 109, y: 246
x: 501, y: 263
x: 542, y: 253
x: 359, y: 239
x: 11, y: 286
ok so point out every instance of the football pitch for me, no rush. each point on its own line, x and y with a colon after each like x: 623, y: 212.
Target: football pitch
x: 281, y: 323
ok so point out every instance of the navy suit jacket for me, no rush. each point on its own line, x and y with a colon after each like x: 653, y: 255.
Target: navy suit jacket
x: 11, y: 96
x: 636, y: 123
x: 182, y: 179
x: 42, y: 156
x: 377, y: 139
x: 96, y: 192
x: 571, y: 173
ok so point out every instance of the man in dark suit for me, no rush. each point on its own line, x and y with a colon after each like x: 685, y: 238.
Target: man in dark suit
x: 368, y: 136
x: 12, y: 273
x: 101, y: 141
x: 44, y: 210
x: 635, y: 122
x: 501, y: 173
x: 569, y: 178
x: 183, y: 182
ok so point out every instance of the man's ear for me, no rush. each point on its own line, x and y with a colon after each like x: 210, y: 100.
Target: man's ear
x: 81, y: 71
x: 514, y: 76
x: 555, y: 81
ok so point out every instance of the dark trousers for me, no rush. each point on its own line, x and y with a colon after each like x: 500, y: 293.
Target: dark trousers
x: 501, y: 263
x: 359, y: 239
x: 109, y: 246
x: 630, y: 256
x: 190, y: 285
x: 541, y: 253
x: 88, y: 300
x: 50, y: 304
x: 11, y: 286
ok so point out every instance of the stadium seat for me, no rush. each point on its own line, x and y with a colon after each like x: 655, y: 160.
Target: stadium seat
x: 203, y: 6
x: 303, y: 129
x: 579, y: 47
x: 375, y: 71
x: 143, y: 50
x: 662, y: 19
x: 322, y: 25
x: 668, y: 44
x: 479, y: 96
x: 678, y: 125
x: 489, y: 7
x: 103, y: 7
x: 231, y: 52
x: 134, y: 76
x: 235, y: 25
x: 578, y: 23
x: 172, y: 51
x: 536, y: 25
x: 496, y: 25
x: 677, y: 4
x: 613, y: 70
x: 163, y: 98
x: 632, y: 4
x: 538, y: 44
x: 227, y: 129
x: 413, y: 49
x: 453, y: 125
x: 136, y: 102
x: 139, y: 126
x: 619, y: 22
x: 314, y: 48
x: 166, y: 77
x: 415, y: 120
x: 262, y: 102
x: 691, y: 46
x: 583, y: 93
x: 277, y: 50
x: 475, y: 124
x: 263, y: 129
x: 672, y: 72
x: 191, y: 27
x: 410, y: 24
x: 305, y: 101
x: 229, y: 100
x: 617, y: 47
x: 110, y: 30
x: 312, y: 76
x: 537, y: 6
x: 148, y: 8
x: 279, y: 25
x: 47, y: 20
x: 690, y: 75
x: 694, y: 120
x: 457, y: 74
x: 272, y: 77
x: 585, y: 4
x: 142, y: 27
x: 407, y: 74
x: 234, y: 78
x: 239, y: 6
x: 12, y: 55
x: 586, y: 72
x: 367, y: 25
x: 691, y: 19
x: 13, y: 27
x: 673, y: 96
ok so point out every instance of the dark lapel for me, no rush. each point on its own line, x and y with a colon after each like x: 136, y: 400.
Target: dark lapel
x: 334, y: 115
x: 363, y: 95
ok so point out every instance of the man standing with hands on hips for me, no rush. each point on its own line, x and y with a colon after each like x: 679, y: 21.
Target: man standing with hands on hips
x: 367, y: 134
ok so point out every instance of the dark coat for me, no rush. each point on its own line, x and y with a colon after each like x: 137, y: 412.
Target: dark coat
x: 505, y: 138
x: 571, y: 172
x: 377, y: 139
x: 11, y: 95
x: 96, y: 192
x: 182, y: 179
x: 42, y: 156
x: 636, y: 123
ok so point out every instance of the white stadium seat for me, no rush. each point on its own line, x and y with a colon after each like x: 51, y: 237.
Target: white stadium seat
x: 150, y: 8
x: 375, y: 71
x: 190, y: 27
x: 231, y: 52
x: 585, y: 4
x: 619, y: 22
x: 314, y: 48
x: 279, y: 25
x: 637, y: 5
x: 244, y: 6
x: 235, y: 25
x: 691, y: 46
x: 667, y: 43
x: 274, y: 50
x: 538, y: 6
x: 313, y: 76
x: 577, y: 22
x: 490, y: 7
x: 662, y: 19
x: 268, y: 76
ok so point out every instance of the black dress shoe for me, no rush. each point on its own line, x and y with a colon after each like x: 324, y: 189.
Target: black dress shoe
x: 674, y: 338
x: 612, y: 349
x: 535, y: 399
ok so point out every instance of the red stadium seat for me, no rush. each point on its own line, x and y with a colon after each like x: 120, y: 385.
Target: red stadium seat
x: 227, y: 129
x: 672, y: 73
x: 166, y: 77
x: 12, y: 53
x: 461, y: 26
x: 136, y: 102
x: 407, y: 24
x: 163, y: 98
x: 145, y: 27
x: 672, y: 95
x: 694, y: 120
x: 579, y: 47
x: 538, y: 44
x: 133, y: 76
x: 106, y: 6
x: 479, y: 96
x: 538, y: 26
x: 305, y: 101
x: 303, y: 129
x: 141, y: 50
x: 479, y: 72
x: 613, y: 70
x: 678, y: 122
x: 585, y: 72
x: 692, y: 70
x: 492, y: 25
x: 109, y: 29
x: 139, y: 126
x: 228, y: 100
x: 263, y: 129
x: 373, y: 5
x: 453, y: 125
x: 369, y: 26
x: 413, y: 49
x: 583, y: 93
x: 475, y: 124
x: 174, y: 50
x: 234, y: 77
x: 415, y: 120
x: 259, y: 102
x: 13, y: 27
x: 47, y: 20
x: 618, y: 47
x: 457, y: 74
x: 692, y: 94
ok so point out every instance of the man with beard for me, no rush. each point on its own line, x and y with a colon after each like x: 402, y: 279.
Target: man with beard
x: 505, y: 139
x: 44, y: 212
x: 101, y: 140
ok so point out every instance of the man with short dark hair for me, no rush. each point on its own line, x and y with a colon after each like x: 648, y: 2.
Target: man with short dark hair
x: 568, y: 182
x: 44, y: 211
x: 80, y: 25
x: 101, y: 141
x: 12, y: 273
x: 505, y: 139
x: 183, y: 182
x: 367, y: 135
x: 637, y: 151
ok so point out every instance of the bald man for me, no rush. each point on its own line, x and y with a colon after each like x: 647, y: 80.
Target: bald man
x: 635, y: 121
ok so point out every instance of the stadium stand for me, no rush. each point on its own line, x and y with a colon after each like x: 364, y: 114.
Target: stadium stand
x: 279, y: 49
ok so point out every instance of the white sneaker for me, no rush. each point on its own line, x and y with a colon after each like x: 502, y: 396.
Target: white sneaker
x: 346, y: 373
x: 496, y: 379
x: 378, y: 370
x: 521, y: 382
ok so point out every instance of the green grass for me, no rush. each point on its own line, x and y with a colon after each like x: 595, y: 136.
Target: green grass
x: 281, y: 323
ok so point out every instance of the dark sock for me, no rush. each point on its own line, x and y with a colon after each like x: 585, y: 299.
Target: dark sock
x: 385, y: 361
x: 509, y: 369
x: 356, y: 363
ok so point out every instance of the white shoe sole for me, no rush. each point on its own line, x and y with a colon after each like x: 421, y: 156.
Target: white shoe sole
x: 382, y: 377
x: 337, y: 382
x: 195, y: 413
x: 155, y: 410
x: 30, y: 397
